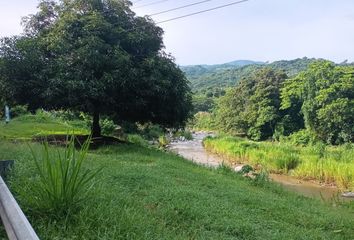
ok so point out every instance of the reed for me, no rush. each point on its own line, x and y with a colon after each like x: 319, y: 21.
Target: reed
x: 326, y: 164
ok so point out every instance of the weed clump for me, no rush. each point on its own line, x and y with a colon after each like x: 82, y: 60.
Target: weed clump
x: 63, y: 182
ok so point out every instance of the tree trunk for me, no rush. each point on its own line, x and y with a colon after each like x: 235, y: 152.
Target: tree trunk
x: 96, y: 129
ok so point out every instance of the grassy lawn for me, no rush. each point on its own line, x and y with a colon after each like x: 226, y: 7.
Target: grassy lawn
x: 28, y: 126
x: 144, y: 193
x: 322, y: 163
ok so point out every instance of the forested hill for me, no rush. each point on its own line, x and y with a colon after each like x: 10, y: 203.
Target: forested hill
x: 204, y: 78
x: 198, y: 70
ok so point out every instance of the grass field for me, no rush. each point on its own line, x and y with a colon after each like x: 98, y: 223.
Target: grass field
x: 322, y: 163
x: 29, y: 126
x: 144, y: 193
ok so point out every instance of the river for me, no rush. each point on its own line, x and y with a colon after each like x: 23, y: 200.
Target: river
x: 193, y: 150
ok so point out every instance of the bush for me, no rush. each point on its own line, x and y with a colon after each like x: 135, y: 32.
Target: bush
x: 137, y: 139
x: 202, y: 121
x: 19, y: 110
x: 163, y: 141
x: 86, y: 118
x: 185, y: 134
x: 246, y: 169
x: 302, y: 138
x: 66, y: 115
x: 128, y: 127
x: 261, y: 178
x: 107, y: 126
x: 64, y: 184
x: 44, y: 116
x: 287, y: 161
x: 152, y: 131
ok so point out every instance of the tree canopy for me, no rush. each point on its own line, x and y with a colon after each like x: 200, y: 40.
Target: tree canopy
x: 96, y: 56
x: 269, y: 104
x: 252, y: 107
x: 325, y: 93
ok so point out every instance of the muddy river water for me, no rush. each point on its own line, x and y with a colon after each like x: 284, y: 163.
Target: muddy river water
x: 194, y: 151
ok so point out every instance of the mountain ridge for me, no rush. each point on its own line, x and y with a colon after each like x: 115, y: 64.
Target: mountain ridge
x: 219, y: 76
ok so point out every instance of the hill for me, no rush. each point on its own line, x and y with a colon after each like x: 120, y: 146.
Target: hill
x: 204, y: 78
x: 197, y: 70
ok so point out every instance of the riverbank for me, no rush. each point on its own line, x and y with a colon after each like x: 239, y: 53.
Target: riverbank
x: 146, y: 193
x: 325, y: 165
x: 195, y: 151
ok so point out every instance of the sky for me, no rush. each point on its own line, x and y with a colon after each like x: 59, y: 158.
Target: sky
x: 260, y: 30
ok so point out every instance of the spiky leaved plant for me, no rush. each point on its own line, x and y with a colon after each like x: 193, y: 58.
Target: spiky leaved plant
x: 64, y: 183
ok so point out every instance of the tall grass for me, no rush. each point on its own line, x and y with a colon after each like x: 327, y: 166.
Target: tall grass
x: 330, y: 165
x: 64, y: 183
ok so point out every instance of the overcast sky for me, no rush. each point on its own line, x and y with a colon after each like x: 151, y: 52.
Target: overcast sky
x: 262, y: 30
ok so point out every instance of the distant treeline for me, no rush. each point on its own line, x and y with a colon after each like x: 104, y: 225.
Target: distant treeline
x: 205, y: 78
x: 317, y: 103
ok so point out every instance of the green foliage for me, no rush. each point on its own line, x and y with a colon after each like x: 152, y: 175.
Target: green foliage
x: 246, y: 169
x: 107, y: 126
x: 324, y: 93
x: 202, y: 103
x: 202, y: 121
x: 131, y: 194
x: 301, y: 138
x: 225, y: 169
x: 197, y: 70
x: 150, y: 131
x: 106, y: 123
x: 43, y: 115
x: 163, y: 141
x: 186, y: 134
x: 265, y: 105
x: 137, y: 139
x: 29, y: 126
x: 209, y: 78
x: 63, y: 183
x: 252, y: 107
x: 330, y: 165
x: 143, y: 193
x: 19, y: 110
x: 287, y: 162
x: 97, y: 57
x: 66, y: 115
x: 261, y: 178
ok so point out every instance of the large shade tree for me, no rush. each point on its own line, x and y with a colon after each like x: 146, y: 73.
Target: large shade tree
x: 95, y: 56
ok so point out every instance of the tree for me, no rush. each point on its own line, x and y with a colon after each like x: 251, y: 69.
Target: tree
x: 252, y: 107
x: 325, y: 93
x: 96, y: 56
x: 202, y: 103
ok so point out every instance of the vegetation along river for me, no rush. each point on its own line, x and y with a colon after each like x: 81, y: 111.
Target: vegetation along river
x: 193, y: 150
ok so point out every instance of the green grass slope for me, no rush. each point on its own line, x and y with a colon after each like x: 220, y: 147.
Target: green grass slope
x: 147, y: 194
x: 144, y: 193
x: 29, y: 126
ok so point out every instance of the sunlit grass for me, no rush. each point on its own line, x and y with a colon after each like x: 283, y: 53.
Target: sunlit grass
x: 143, y: 193
x: 29, y: 126
x: 330, y: 165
